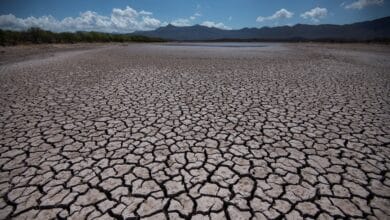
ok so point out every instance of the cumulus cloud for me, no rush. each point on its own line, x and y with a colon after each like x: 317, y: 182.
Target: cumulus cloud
x: 120, y: 20
x: 282, y: 13
x: 315, y: 14
x: 360, y: 4
x: 215, y: 24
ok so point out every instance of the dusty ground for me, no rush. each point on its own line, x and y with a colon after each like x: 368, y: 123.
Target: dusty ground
x: 39, y: 51
x: 159, y: 131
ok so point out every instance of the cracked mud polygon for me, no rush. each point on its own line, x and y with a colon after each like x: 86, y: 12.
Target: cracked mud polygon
x: 152, y: 131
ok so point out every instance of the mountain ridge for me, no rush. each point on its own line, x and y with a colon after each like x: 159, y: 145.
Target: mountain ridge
x: 359, y: 31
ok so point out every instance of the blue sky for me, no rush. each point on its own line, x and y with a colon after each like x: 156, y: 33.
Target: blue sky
x: 131, y: 15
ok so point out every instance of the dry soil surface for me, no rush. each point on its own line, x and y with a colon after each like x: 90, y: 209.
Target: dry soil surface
x: 39, y: 51
x: 158, y: 131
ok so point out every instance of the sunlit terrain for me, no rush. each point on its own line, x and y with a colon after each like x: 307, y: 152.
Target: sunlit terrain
x: 195, y: 130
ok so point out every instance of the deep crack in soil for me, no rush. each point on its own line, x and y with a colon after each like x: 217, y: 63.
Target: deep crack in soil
x: 151, y: 131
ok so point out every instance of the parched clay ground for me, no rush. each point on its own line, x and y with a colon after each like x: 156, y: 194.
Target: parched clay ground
x: 156, y: 131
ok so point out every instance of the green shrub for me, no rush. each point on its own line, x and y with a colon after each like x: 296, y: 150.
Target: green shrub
x: 36, y: 35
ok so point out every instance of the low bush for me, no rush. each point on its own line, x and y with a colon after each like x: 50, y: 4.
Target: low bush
x: 37, y: 36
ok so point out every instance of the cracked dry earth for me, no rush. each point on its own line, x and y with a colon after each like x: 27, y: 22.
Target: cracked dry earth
x: 150, y: 131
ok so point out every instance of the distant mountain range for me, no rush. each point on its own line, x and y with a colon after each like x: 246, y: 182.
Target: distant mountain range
x: 378, y: 29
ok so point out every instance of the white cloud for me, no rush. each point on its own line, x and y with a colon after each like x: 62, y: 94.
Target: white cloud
x: 181, y: 22
x: 360, y: 4
x: 150, y: 23
x: 215, y: 24
x: 282, y: 13
x: 120, y: 20
x: 315, y: 14
x: 196, y: 15
x: 145, y: 12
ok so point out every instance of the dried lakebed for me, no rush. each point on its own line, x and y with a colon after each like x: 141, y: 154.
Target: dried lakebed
x: 153, y: 131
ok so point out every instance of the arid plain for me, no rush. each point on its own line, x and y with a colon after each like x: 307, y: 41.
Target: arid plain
x: 196, y: 131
